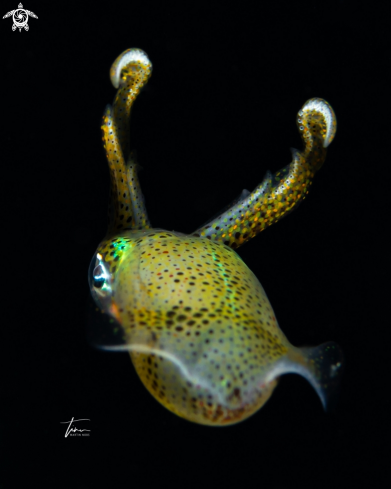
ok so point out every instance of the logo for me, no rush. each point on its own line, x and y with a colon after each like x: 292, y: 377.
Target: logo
x: 73, y: 431
x: 20, y: 17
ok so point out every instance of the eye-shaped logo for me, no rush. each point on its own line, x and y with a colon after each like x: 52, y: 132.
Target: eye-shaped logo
x: 20, y: 17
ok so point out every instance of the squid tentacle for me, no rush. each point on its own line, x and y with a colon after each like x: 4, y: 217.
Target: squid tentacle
x: 279, y: 193
x: 129, y: 73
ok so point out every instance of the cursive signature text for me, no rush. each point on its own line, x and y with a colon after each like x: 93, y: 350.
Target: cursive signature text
x: 70, y: 429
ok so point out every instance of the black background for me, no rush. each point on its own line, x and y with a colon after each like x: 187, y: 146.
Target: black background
x: 218, y: 111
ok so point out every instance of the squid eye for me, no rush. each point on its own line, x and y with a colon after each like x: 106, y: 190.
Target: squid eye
x: 98, y: 277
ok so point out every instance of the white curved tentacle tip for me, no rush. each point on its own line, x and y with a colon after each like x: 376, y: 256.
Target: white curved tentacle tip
x: 133, y: 55
x: 322, y: 106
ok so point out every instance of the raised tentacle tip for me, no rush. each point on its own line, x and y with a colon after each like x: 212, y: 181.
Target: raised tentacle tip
x: 130, y: 56
x: 316, y: 107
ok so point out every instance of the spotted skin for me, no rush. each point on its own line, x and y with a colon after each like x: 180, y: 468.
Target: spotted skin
x: 196, y: 321
x: 280, y: 193
x: 129, y: 73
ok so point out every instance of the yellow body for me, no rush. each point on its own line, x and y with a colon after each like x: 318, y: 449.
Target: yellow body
x: 209, y: 330
x: 200, y: 330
